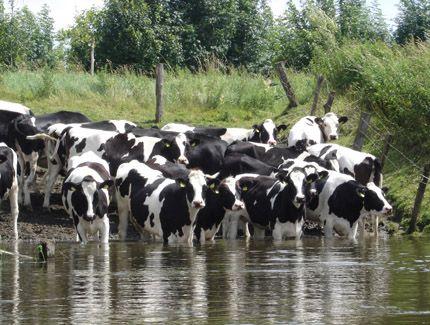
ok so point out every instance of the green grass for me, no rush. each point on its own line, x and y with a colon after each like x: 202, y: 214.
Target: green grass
x: 214, y: 98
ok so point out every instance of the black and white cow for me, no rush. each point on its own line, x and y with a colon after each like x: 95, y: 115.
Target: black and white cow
x: 162, y: 206
x: 221, y: 197
x: 8, y: 112
x: 85, y: 196
x: 9, y: 181
x: 342, y: 202
x: 29, y: 150
x: 311, y: 130
x: 276, y: 156
x: 276, y: 205
x: 266, y: 132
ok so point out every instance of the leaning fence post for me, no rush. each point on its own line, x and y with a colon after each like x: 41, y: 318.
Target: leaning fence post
x: 388, y: 140
x: 159, y: 91
x: 361, y: 131
x: 419, y: 198
x: 294, y: 102
x: 317, y: 95
x: 330, y: 100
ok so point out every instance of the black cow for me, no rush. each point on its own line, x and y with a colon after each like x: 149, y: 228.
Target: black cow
x: 29, y: 150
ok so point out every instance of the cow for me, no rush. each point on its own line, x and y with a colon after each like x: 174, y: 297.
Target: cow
x: 364, y: 167
x: 162, y: 206
x: 85, y: 196
x: 8, y: 112
x: 9, y: 181
x: 266, y: 132
x: 275, y: 156
x: 311, y: 130
x: 276, y: 205
x: 221, y: 197
x: 342, y: 202
x: 29, y: 150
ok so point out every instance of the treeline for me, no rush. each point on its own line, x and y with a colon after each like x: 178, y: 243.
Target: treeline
x: 184, y: 33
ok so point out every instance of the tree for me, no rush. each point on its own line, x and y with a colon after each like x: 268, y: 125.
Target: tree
x: 413, y: 20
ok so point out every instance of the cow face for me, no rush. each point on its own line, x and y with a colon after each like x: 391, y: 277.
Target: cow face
x: 196, y: 187
x: 174, y: 150
x: 329, y: 125
x: 266, y: 133
x: 229, y: 191
x: 88, y: 199
x: 374, y: 200
x: 298, y: 183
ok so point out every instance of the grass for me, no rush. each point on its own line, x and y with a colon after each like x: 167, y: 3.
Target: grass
x: 214, y: 98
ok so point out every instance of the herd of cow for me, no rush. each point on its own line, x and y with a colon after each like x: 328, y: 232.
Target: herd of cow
x: 181, y: 182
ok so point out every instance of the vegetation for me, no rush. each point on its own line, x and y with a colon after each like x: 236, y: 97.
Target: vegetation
x: 219, y: 56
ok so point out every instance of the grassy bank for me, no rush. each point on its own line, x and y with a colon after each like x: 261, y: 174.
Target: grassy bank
x: 213, y: 98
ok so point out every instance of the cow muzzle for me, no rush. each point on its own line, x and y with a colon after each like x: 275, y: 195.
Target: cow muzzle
x: 300, y: 199
x: 271, y: 143
x: 238, y: 206
x: 89, y: 217
x: 333, y: 137
x: 198, y: 204
x: 387, y: 211
x: 183, y: 161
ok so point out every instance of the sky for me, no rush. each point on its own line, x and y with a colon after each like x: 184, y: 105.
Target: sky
x: 64, y: 11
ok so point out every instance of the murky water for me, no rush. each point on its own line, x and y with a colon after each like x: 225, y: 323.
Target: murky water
x: 228, y: 282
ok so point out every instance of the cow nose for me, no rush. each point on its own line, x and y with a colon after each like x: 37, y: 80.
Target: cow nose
x: 198, y: 204
x: 300, y: 199
x: 183, y: 160
x: 388, y: 210
x: 313, y: 192
x: 333, y: 137
x: 238, y: 206
x: 272, y: 142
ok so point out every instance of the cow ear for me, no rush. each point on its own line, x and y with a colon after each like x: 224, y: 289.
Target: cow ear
x: 319, y: 121
x: 166, y: 142
x: 322, y: 174
x: 245, y: 185
x: 256, y: 128
x: 212, y: 182
x: 384, y: 190
x: 361, y: 191
x: 281, y: 127
x: 3, y: 158
x: 343, y: 120
x: 181, y: 182
x: 106, y: 184
x: 311, y: 178
x: 194, y: 142
x: 70, y: 186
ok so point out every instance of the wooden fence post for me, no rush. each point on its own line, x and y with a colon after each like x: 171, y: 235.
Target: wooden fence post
x: 388, y: 140
x: 159, y: 91
x: 327, y: 106
x: 317, y: 94
x: 361, y: 131
x: 419, y: 198
x: 92, y: 55
x: 285, y: 81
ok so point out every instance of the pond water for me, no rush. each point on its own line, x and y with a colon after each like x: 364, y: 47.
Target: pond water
x: 313, y: 280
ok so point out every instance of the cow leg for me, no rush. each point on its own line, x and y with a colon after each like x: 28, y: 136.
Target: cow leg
x: 353, y: 232
x: 13, y: 200
x: 20, y: 177
x: 123, y: 219
x: 53, y: 171
x: 104, y: 231
x: 375, y: 224
x: 259, y: 233
x: 277, y: 232
x: 328, y: 228
x: 230, y: 225
x: 30, y: 172
x: 81, y: 232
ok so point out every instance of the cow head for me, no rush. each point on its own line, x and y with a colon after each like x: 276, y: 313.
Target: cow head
x: 266, y: 132
x: 374, y: 199
x: 174, y: 149
x: 195, y: 186
x: 298, y: 183
x: 329, y: 125
x: 228, y: 191
x: 88, y: 199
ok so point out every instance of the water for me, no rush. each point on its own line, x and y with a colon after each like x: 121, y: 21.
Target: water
x: 228, y: 282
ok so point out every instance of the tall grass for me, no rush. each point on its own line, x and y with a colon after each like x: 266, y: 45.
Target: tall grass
x: 208, y: 97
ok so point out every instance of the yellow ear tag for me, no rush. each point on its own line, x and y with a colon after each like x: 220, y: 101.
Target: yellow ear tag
x: 181, y: 184
x: 106, y: 187
x: 193, y: 144
x: 216, y: 192
x: 73, y: 188
x: 244, y: 188
x: 167, y: 144
x: 362, y: 194
x: 1, y: 160
x: 309, y: 181
x: 284, y: 182
x: 257, y: 130
x: 212, y: 185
